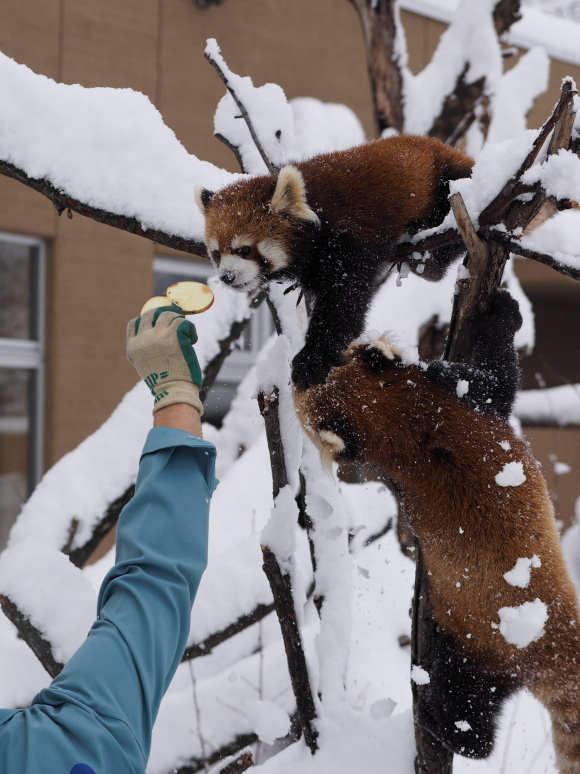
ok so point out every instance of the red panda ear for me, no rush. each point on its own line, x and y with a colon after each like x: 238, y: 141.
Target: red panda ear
x: 289, y: 197
x: 202, y: 198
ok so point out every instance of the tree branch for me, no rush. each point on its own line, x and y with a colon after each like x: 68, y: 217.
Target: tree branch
x: 79, y: 556
x: 458, y: 109
x: 41, y: 648
x: 432, y: 756
x: 241, y: 107
x: 280, y: 583
x: 201, y: 764
x: 514, y: 246
x: 497, y: 210
x: 506, y: 13
x: 239, y: 765
x: 379, y: 26
x: 62, y: 202
x: 243, y: 622
x: 284, y: 601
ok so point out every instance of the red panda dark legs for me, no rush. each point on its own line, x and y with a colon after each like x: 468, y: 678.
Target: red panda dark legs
x: 479, y: 506
x: 337, y: 318
x: 461, y: 704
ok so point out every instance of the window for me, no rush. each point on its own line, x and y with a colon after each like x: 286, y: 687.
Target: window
x: 169, y: 270
x: 21, y: 372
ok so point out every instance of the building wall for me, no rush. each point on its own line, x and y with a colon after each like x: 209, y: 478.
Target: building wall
x: 98, y: 277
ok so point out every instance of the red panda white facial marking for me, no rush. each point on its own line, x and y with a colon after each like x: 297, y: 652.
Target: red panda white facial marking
x: 247, y: 235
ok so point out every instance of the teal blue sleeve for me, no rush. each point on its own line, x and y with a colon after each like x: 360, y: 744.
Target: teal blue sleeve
x: 100, y: 710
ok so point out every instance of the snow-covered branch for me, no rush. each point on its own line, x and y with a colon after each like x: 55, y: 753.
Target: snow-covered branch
x: 63, y: 202
x: 40, y: 646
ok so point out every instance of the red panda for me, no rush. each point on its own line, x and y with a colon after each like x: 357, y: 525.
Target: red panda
x: 331, y: 223
x: 504, y: 606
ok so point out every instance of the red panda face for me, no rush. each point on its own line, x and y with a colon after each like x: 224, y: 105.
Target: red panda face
x: 334, y: 414
x: 249, y: 226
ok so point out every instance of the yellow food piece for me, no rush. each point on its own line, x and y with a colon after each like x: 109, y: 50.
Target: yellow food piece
x: 155, y: 303
x: 191, y: 297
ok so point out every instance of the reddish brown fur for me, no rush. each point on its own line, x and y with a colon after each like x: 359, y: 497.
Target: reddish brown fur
x: 373, y: 190
x: 471, y: 530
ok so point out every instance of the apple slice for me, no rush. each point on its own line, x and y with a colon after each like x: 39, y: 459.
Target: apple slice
x: 192, y: 297
x: 155, y: 303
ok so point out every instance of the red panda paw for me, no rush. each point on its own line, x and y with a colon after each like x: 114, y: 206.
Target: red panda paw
x: 311, y: 367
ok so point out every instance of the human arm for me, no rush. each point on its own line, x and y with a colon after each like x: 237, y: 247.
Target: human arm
x: 100, y: 709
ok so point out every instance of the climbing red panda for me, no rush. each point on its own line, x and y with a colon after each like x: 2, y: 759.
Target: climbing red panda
x: 504, y: 606
x: 331, y: 223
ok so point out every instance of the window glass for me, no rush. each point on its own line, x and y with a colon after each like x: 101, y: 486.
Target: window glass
x: 21, y: 373
x: 18, y: 291
x: 17, y: 387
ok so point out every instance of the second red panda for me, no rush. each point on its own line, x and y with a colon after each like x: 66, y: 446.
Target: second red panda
x: 331, y: 223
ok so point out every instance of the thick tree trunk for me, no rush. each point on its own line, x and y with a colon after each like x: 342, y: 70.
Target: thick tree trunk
x: 379, y: 27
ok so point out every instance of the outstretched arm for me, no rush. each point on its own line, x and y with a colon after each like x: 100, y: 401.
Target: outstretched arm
x: 100, y: 710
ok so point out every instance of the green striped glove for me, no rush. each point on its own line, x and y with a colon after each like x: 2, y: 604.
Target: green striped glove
x: 160, y: 346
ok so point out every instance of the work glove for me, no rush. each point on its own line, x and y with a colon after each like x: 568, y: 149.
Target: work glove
x: 160, y: 346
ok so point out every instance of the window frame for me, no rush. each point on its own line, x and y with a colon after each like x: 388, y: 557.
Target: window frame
x: 29, y: 354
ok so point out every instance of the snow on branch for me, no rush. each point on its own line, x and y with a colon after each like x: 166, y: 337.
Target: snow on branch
x: 540, y: 174
x: 273, y: 130
x: 280, y: 581
x: 62, y: 202
x: 41, y: 648
x: 552, y: 407
x: 105, y: 153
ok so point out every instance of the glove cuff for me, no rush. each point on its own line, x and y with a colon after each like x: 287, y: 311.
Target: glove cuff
x: 177, y: 392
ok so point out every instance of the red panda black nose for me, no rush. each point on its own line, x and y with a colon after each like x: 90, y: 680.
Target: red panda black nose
x: 227, y: 277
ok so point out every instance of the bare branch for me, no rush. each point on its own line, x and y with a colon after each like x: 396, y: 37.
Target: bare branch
x: 239, y: 765
x: 379, y: 27
x: 244, y: 740
x: 41, y: 648
x: 212, y: 368
x: 216, y: 65
x: 280, y: 583
x: 496, y: 210
x: 234, y: 149
x: 485, y: 264
x: 458, y: 111
x: 243, y: 622
x: 268, y: 404
x: 80, y: 555
x: 514, y: 246
x: 432, y: 756
x: 62, y: 202
x: 201, y: 764
x: 506, y: 13
x: 284, y: 601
